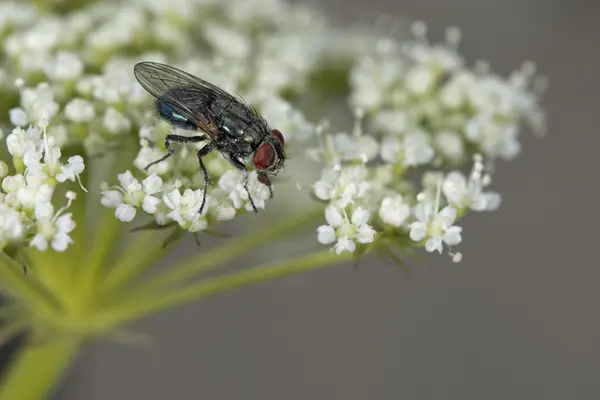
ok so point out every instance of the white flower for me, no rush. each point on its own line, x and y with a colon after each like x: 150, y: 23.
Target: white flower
x: 79, y: 111
x: 64, y: 66
x: 186, y: 209
x: 461, y: 192
x: 394, y: 121
x: 394, y: 210
x: 343, y: 187
x: 151, y: 185
x: 33, y: 193
x: 72, y: 170
x: 115, y: 122
x: 411, y: 150
x: 147, y: 155
x: 450, y: 145
x: 420, y: 80
x: 436, y: 227
x: 52, y: 228
x: 345, y: 230
x: 349, y: 147
x: 18, y: 116
x: 232, y: 183
x: 11, y: 228
x: 39, y: 102
x: 495, y: 139
x: 132, y: 195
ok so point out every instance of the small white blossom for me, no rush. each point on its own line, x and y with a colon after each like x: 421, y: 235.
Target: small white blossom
x: 132, y: 195
x: 72, y: 170
x: 65, y: 66
x: 186, y: 209
x: 11, y: 228
x: 232, y: 183
x: 18, y: 116
x: 52, y: 228
x: 343, y: 187
x: 462, y: 192
x: 394, y: 210
x: 79, y: 111
x: 419, y: 80
x: 346, y: 231
x: 437, y: 227
x: 115, y: 122
x: 450, y: 145
x: 350, y: 147
x: 39, y: 103
x: 411, y: 150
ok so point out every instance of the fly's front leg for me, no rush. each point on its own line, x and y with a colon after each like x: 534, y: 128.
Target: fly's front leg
x: 264, y: 179
x: 240, y: 165
x: 201, y: 153
x: 176, y: 139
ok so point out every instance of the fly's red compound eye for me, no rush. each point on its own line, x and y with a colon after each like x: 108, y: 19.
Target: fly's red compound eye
x: 264, y: 157
x: 278, y: 135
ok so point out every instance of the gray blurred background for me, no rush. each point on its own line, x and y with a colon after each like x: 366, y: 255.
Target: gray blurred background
x: 518, y: 319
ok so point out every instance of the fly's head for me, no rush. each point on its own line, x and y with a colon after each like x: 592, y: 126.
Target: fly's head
x: 269, y: 157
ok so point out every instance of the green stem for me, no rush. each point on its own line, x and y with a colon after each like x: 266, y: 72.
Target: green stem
x: 139, y: 255
x: 136, y: 308
x: 37, y: 369
x: 234, y: 248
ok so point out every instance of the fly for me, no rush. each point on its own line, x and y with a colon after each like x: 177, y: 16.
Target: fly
x: 225, y: 123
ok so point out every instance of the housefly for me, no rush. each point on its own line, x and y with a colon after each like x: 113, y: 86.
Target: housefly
x: 225, y: 123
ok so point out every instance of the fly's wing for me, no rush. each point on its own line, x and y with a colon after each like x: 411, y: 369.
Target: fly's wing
x: 188, y: 95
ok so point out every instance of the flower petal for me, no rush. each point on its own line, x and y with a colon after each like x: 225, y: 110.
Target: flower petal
x: 366, y: 234
x: 150, y: 204
x: 452, y: 236
x: 152, y: 184
x: 360, y: 216
x: 418, y: 230
x: 345, y: 244
x: 434, y: 244
x: 126, y: 179
x: 61, y: 241
x: 125, y: 213
x: 39, y: 241
x: 111, y: 198
x: 65, y: 223
x: 449, y: 215
x: 326, y: 234
x: 333, y: 216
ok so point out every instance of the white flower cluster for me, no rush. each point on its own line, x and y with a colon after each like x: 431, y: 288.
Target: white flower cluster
x: 370, y: 202
x: 422, y: 96
x: 27, y: 215
x: 265, y: 50
x: 167, y: 203
x: 426, y: 112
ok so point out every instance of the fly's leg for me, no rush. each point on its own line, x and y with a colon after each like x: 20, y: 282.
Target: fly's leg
x: 176, y: 139
x: 240, y: 165
x: 201, y: 153
x: 264, y: 179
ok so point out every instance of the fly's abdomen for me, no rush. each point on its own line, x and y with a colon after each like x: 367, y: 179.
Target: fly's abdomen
x: 168, y: 113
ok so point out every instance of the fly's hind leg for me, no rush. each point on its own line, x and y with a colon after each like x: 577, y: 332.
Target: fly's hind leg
x: 171, y: 151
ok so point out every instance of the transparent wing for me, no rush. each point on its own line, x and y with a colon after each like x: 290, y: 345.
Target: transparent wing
x: 186, y: 94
